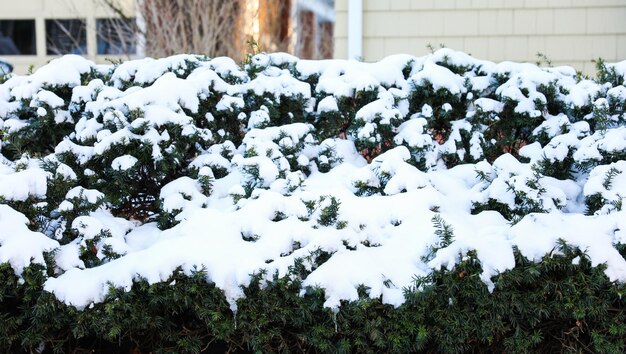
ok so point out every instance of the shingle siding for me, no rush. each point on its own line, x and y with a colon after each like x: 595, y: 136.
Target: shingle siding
x: 571, y: 32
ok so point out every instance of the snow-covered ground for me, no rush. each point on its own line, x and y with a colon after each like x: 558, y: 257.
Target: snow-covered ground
x: 273, y: 205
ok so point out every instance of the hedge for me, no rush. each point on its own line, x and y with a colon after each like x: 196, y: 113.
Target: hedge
x: 418, y: 204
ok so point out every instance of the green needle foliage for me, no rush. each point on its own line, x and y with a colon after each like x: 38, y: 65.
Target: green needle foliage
x: 560, y: 303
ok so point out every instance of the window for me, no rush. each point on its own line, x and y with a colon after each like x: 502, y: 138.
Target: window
x: 116, y: 36
x: 66, y: 37
x: 17, y: 37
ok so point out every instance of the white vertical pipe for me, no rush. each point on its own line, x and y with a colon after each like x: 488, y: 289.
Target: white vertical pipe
x: 141, y: 25
x: 355, y: 29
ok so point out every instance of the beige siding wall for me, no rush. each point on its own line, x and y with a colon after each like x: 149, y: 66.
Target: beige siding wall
x: 40, y: 10
x: 568, y: 32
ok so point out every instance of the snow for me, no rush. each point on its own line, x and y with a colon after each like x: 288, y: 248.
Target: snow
x: 268, y: 194
x: 65, y: 172
x: 258, y: 118
x: 182, y: 194
x: 20, y: 246
x: 488, y: 105
x: 228, y: 103
x: 19, y: 186
x: 90, y: 195
x: 620, y: 68
x: 59, y: 72
x: 608, y: 182
x: 617, y: 94
x: 341, y: 78
x: 440, y: 78
x: 383, y: 109
x: 89, y: 227
x: 558, y: 148
x: 144, y: 71
x: 49, y: 98
x: 123, y: 162
x: 412, y: 132
x: 284, y: 85
x: 327, y: 104
x: 212, y: 160
x: 582, y: 93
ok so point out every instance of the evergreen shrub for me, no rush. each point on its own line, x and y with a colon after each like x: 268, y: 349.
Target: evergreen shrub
x: 107, y: 150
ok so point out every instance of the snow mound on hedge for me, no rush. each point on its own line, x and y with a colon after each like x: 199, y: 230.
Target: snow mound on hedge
x: 355, y: 207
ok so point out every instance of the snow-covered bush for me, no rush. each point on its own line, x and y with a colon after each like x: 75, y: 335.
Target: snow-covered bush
x: 190, y: 201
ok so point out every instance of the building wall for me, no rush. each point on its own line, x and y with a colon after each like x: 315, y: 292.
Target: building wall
x: 567, y: 32
x: 40, y: 10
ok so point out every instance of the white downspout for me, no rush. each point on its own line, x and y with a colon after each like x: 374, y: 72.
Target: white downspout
x: 141, y: 25
x: 355, y: 29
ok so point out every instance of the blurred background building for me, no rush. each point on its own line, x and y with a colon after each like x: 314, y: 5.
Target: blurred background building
x: 34, y: 31
x: 565, y: 32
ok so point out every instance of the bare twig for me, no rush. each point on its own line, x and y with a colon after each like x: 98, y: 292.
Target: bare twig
x: 210, y: 27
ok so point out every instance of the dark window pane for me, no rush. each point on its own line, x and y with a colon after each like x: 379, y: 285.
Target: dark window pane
x: 116, y: 36
x: 17, y: 37
x: 66, y: 37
